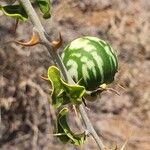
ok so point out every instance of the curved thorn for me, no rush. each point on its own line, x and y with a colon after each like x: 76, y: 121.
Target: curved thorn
x: 56, y: 44
x: 33, y: 41
x: 121, y: 86
x: 44, y: 78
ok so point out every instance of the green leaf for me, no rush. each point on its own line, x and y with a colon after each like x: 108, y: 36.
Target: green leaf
x: 62, y: 92
x: 44, y: 6
x: 57, y: 90
x: 75, y: 92
x: 64, y: 132
x: 15, y: 11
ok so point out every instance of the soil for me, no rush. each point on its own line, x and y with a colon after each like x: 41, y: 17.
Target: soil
x: 26, y: 116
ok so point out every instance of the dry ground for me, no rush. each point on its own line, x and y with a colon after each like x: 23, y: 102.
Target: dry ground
x: 26, y: 120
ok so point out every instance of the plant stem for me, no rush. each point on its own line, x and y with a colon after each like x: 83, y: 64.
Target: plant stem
x: 90, y: 128
x: 57, y: 60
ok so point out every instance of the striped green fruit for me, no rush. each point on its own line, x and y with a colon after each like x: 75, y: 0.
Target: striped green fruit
x: 90, y: 61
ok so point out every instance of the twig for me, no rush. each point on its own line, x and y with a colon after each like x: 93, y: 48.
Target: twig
x: 90, y: 128
x: 57, y: 60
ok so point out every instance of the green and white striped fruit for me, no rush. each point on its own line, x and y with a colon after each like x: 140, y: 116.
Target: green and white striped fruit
x: 90, y: 61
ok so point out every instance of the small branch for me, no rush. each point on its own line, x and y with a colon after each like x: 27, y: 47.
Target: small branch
x: 57, y: 60
x: 90, y: 128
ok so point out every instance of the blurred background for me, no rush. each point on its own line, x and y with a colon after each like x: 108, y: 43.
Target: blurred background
x: 27, y: 118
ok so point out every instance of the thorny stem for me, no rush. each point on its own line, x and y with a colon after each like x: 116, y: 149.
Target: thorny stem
x: 57, y: 60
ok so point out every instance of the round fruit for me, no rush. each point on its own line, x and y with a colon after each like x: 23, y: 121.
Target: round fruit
x: 90, y: 61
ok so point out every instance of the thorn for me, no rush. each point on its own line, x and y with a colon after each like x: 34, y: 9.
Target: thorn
x: 75, y: 110
x: 83, y: 99
x: 56, y: 44
x: 44, y: 78
x: 104, y: 87
x: 33, y: 41
x: 121, y: 87
x: 114, y: 91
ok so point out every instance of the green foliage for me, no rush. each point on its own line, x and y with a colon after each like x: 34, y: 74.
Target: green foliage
x: 63, y: 131
x: 44, y: 6
x: 63, y: 93
x: 15, y: 11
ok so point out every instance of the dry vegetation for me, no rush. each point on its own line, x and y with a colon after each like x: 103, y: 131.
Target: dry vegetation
x: 27, y: 121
